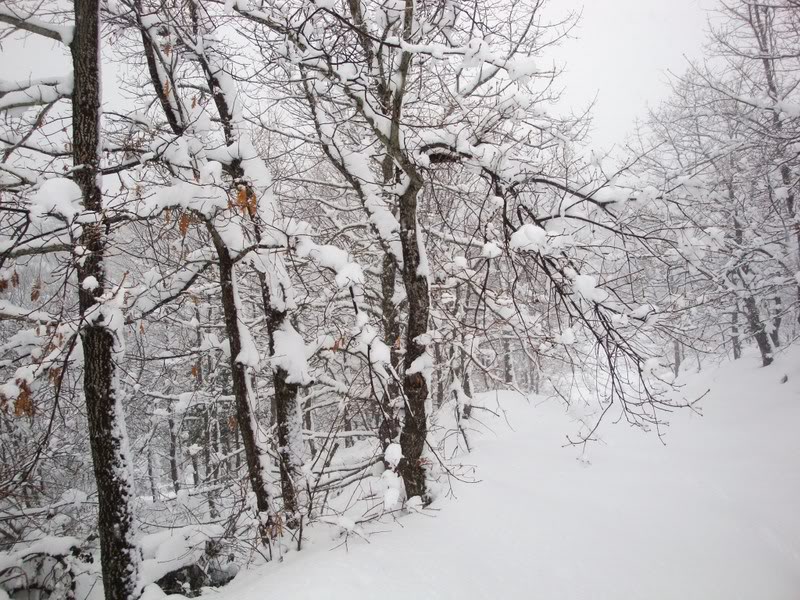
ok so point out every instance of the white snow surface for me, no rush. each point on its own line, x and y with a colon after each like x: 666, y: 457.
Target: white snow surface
x: 59, y: 196
x: 710, y: 515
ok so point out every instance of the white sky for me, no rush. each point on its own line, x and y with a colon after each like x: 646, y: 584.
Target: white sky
x: 623, y: 53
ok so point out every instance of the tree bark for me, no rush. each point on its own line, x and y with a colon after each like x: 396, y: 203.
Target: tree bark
x: 735, y: 339
x: 775, y: 332
x: 508, y: 362
x: 151, y: 476
x: 415, y: 386
x: 287, y: 423
x: 119, y: 556
x: 255, y: 456
x: 758, y: 330
x: 173, y: 449
x: 288, y: 430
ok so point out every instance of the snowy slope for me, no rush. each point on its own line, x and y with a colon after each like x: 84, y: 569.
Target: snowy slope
x: 714, y: 514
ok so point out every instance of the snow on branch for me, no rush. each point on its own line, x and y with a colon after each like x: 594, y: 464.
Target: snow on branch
x: 60, y: 33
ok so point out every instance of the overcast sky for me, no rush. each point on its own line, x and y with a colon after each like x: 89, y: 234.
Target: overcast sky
x: 623, y: 52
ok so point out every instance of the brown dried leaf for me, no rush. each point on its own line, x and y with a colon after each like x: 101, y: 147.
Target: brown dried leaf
x: 252, y: 203
x: 183, y: 224
x: 36, y: 290
x: 241, y: 199
x: 54, y: 374
x: 23, y: 405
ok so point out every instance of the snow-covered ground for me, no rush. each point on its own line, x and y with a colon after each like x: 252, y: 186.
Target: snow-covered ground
x: 713, y: 514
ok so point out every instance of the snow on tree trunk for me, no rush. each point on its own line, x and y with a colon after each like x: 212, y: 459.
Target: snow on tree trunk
x: 735, y: 339
x: 288, y: 426
x: 415, y: 385
x: 255, y: 456
x: 151, y: 475
x: 508, y: 361
x: 102, y: 329
x: 759, y: 331
x: 173, y: 449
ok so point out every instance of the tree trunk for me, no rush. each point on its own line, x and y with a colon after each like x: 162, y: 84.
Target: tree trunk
x: 308, y: 424
x: 441, y: 381
x: 347, y: 426
x: 758, y: 330
x: 288, y: 431
x: 775, y: 331
x: 508, y: 362
x: 415, y: 386
x: 151, y: 476
x: 786, y: 179
x: 390, y: 425
x: 119, y: 556
x: 286, y: 413
x: 255, y: 456
x: 195, y: 470
x: 173, y: 450
x: 735, y: 338
x: 211, y: 467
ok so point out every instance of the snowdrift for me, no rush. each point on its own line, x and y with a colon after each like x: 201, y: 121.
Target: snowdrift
x: 709, y: 512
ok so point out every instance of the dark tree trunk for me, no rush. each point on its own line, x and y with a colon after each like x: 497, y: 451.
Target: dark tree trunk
x: 119, y: 555
x: 286, y: 417
x: 255, y: 456
x: 390, y: 425
x: 463, y: 358
x: 441, y: 380
x: 415, y: 386
x: 288, y: 425
x: 758, y: 330
x: 309, y: 425
x: 151, y: 476
x: 347, y: 426
x: 508, y: 362
x: 735, y: 338
x: 775, y: 333
x: 211, y: 469
x: 173, y: 450
x: 786, y: 179
x: 754, y: 322
x: 195, y: 470
x: 237, y: 442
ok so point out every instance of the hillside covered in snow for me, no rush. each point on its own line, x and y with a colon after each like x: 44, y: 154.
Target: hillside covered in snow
x: 709, y: 514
